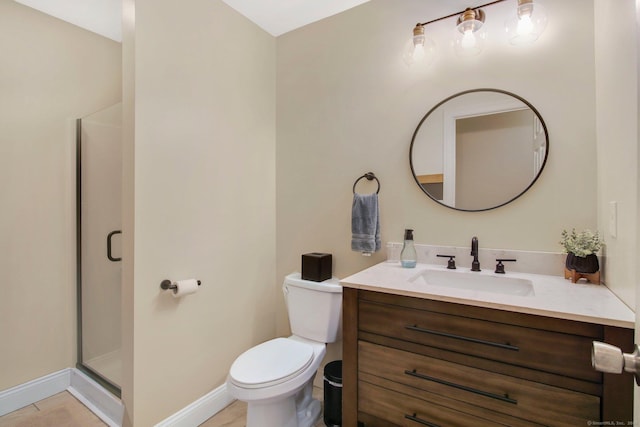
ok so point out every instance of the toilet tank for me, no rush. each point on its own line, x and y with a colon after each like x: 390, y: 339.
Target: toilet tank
x: 315, y: 308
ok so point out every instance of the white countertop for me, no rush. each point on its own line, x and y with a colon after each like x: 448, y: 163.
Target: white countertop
x: 554, y: 296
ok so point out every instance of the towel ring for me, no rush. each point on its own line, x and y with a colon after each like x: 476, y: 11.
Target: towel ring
x: 370, y: 176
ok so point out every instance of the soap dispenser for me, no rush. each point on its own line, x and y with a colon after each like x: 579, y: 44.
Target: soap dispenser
x: 408, y: 256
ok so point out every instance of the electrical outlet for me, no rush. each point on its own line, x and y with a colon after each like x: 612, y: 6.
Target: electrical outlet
x: 613, y: 219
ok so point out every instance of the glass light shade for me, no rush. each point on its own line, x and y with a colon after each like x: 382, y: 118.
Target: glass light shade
x: 469, y: 37
x: 527, y: 24
x: 419, y: 48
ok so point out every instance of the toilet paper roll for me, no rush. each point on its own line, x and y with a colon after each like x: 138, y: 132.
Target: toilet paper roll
x: 185, y: 287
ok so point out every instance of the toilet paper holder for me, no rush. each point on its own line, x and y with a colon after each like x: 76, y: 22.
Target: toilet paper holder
x: 167, y: 284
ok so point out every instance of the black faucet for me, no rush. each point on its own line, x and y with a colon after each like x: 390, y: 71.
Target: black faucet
x: 475, y: 265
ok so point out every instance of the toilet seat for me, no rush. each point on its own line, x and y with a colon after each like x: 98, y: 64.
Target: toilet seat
x: 270, y: 363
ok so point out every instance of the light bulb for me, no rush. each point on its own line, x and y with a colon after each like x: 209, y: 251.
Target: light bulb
x: 419, y: 49
x: 468, y: 40
x: 470, y: 34
x: 527, y: 24
x: 418, y: 53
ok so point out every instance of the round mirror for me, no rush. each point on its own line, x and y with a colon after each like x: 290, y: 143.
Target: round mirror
x: 479, y: 149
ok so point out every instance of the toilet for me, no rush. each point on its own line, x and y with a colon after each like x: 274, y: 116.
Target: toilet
x: 275, y: 378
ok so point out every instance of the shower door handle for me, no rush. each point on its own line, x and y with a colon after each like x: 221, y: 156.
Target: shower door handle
x: 109, y: 236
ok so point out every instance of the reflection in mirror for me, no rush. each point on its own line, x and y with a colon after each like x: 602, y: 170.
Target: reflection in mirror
x: 479, y: 149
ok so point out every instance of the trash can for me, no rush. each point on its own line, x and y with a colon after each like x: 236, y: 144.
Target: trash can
x: 333, y: 394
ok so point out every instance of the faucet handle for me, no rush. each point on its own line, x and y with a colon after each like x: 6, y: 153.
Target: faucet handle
x: 451, y: 265
x: 500, y: 265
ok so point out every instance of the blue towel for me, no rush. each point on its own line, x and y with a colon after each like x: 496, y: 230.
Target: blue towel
x: 365, y: 223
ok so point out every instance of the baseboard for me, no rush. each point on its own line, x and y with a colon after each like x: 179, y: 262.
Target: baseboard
x: 201, y: 410
x: 102, y: 403
x: 31, y: 392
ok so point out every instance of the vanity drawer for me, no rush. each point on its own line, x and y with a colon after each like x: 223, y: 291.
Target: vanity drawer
x: 382, y: 407
x: 558, y: 353
x: 425, y: 376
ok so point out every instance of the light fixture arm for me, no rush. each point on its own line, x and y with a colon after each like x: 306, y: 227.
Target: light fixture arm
x: 459, y: 13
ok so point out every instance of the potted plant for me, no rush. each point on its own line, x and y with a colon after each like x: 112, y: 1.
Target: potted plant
x: 581, y: 250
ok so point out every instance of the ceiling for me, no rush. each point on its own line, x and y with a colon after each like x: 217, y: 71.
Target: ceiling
x: 274, y: 16
x: 281, y: 16
x: 100, y: 16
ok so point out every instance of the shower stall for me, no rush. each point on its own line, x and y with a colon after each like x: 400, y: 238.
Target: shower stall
x: 99, y: 265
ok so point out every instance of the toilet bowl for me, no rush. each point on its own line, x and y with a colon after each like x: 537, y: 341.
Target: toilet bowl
x: 275, y: 378
x: 274, y: 389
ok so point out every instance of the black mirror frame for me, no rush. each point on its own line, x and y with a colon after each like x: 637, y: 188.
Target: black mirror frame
x: 535, y: 111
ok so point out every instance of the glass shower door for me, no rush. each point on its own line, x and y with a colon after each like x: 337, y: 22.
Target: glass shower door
x: 99, y: 181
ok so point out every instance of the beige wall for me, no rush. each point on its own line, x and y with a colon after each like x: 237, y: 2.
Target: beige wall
x: 617, y: 115
x: 51, y: 73
x: 636, y: 408
x: 617, y: 133
x: 202, y: 167
x: 347, y: 104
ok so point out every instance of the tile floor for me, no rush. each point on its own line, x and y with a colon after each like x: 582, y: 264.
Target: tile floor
x: 65, y: 410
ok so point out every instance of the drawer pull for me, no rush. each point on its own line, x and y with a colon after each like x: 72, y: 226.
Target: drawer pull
x: 504, y: 398
x: 460, y: 337
x: 420, y: 421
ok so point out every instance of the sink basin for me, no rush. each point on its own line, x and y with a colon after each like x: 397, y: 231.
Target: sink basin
x: 475, y: 281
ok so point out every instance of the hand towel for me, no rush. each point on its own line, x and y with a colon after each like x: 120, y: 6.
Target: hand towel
x: 365, y: 223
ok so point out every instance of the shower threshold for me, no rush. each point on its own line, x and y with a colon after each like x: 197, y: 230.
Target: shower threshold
x: 108, y: 365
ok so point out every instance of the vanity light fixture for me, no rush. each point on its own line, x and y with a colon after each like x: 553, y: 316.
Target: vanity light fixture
x: 527, y: 24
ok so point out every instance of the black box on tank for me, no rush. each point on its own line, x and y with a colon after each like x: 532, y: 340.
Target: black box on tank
x: 316, y: 266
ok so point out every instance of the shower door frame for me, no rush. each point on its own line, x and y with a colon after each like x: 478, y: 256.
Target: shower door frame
x: 104, y: 382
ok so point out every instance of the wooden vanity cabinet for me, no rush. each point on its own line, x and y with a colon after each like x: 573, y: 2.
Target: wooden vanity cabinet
x: 412, y: 361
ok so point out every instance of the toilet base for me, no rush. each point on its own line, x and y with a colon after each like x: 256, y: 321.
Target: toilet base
x: 311, y: 415
x: 298, y: 410
x: 274, y: 413
x: 283, y: 414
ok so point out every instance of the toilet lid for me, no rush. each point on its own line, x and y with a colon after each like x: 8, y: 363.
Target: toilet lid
x: 271, y: 363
